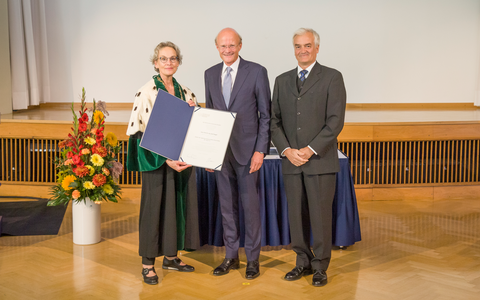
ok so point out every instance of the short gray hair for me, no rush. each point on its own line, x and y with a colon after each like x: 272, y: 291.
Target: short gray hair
x: 161, y: 46
x: 302, y: 31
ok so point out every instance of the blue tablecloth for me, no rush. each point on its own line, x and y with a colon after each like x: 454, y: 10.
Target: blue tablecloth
x: 273, y: 204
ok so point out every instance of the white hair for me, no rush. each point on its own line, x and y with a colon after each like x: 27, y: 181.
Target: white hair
x: 302, y: 31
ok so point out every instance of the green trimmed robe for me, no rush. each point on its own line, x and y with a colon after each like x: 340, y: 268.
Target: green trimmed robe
x: 168, y: 218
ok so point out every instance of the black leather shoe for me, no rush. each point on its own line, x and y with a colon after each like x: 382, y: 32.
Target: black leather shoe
x: 152, y: 279
x: 175, y: 264
x: 227, y: 265
x: 319, y: 278
x: 297, y: 273
x: 253, y: 269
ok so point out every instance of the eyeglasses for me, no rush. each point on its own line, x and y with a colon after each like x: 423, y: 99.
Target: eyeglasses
x: 172, y: 59
x: 229, y: 47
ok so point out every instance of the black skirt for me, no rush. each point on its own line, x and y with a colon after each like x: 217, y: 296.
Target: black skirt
x: 165, y: 225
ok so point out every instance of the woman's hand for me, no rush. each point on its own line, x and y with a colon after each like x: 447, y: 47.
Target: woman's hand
x: 191, y: 103
x: 177, y: 165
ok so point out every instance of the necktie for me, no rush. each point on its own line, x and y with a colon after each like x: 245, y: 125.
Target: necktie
x: 302, y: 75
x: 227, y: 86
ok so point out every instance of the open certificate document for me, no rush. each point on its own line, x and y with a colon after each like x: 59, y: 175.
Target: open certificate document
x: 195, y: 135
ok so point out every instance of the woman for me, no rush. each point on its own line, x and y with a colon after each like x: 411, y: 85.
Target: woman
x: 168, y: 209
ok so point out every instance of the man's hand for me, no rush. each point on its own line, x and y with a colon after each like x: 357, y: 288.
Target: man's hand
x: 295, y: 156
x: 191, y: 103
x: 256, y: 162
x: 209, y: 170
x: 177, y: 165
x: 306, y: 153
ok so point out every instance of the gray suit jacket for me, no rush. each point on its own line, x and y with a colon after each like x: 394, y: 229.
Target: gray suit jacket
x: 314, y: 117
x: 250, y: 99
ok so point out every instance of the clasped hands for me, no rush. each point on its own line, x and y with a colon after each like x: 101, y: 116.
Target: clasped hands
x: 298, y: 157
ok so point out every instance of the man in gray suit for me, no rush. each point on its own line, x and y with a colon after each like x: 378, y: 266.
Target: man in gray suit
x: 308, y: 110
x: 240, y: 86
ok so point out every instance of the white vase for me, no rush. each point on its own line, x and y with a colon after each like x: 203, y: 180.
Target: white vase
x: 86, y: 222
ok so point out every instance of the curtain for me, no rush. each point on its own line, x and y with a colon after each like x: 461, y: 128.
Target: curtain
x: 28, y: 53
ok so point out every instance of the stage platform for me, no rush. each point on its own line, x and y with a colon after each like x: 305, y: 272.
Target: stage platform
x: 396, y: 151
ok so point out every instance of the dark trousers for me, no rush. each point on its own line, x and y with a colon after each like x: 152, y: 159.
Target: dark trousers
x: 235, y: 185
x: 310, y: 199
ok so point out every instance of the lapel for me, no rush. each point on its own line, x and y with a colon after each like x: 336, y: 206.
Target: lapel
x: 217, y: 86
x: 292, y: 82
x: 242, y: 74
x: 312, y: 78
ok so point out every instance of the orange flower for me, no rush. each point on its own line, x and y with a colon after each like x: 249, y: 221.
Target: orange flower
x: 76, y: 194
x: 81, y: 171
x: 100, y: 151
x: 68, y: 162
x: 106, y: 171
x: 99, y: 180
x: 85, y: 151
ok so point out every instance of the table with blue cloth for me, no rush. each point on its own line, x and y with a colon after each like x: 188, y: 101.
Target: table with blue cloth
x: 273, y: 205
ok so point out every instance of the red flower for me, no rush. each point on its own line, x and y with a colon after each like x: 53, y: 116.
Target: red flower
x: 69, y: 154
x: 99, y: 179
x: 81, y: 171
x: 77, y: 161
x: 85, y: 117
x: 82, y: 127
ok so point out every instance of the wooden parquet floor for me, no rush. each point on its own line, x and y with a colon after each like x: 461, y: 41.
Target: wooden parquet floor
x: 410, y: 250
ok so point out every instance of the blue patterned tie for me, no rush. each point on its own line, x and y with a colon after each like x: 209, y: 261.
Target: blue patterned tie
x: 227, y: 86
x: 302, y: 75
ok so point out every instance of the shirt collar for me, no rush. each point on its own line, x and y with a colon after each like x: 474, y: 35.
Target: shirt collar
x: 234, y: 66
x: 309, y: 69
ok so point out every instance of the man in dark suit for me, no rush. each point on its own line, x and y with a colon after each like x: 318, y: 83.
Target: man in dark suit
x: 308, y: 109
x: 240, y: 86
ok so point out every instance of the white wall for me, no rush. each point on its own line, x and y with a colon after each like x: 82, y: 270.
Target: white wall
x: 389, y: 51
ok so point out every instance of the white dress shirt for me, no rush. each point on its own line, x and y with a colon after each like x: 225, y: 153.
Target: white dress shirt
x: 233, y: 72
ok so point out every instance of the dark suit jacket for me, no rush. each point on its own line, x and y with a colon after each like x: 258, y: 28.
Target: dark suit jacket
x: 250, y: 99
x: 313, y: 117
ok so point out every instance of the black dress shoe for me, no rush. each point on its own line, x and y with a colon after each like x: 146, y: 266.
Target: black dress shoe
x: 297, y: 273
x: 253, y: 269
x: 227, y: 265
x: 151, y: 279
x: 319, y: 278
x: 175, y: 264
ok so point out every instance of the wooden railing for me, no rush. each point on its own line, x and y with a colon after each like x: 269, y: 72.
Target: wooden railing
x: 373, y: 163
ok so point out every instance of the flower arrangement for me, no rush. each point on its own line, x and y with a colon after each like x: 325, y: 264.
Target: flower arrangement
x: 87, y: 166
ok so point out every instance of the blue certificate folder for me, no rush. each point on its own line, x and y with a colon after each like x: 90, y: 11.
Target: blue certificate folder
x: 167, y: 126
x: 195, y: 135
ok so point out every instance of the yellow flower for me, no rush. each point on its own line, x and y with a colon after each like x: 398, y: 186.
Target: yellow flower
x: 88, y: 185
x: 67, y: 180
x: 90, y: 141
x: 97, y: 160
x: 111, y: 139
x: 76, y: 194
x: 97, y: 116
x: 92, y: 170
x: 107, y: 189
